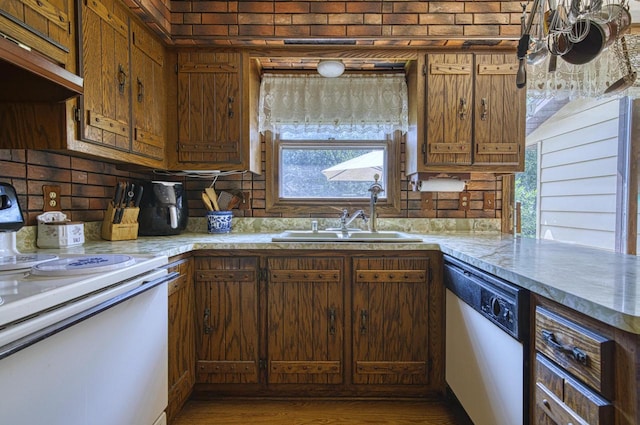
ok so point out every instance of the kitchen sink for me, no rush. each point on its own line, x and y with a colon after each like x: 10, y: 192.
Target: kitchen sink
x: 338, y: 236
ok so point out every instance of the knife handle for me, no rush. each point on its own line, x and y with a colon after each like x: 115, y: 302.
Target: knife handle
x: 138, y: 195
x: 118, y: 195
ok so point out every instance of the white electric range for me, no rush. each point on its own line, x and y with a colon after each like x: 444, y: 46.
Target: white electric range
x: 89, y: 327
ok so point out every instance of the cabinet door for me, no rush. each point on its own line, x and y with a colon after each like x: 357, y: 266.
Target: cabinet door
x: 43, y: 25
x: 305, y: 320
x: 181, y: 336
x: 227, y: 319
x: 499, y: 110
x: 148, y: 93
x: 449, y: 97
x: 105, y: 66
x: 209, y: 112
x: 390, y: 321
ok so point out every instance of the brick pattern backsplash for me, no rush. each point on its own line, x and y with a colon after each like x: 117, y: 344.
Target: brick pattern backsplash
x: 226, y: 22
x: 87, y: 186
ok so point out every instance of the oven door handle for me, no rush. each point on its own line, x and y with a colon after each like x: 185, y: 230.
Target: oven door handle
x: 47, y: 331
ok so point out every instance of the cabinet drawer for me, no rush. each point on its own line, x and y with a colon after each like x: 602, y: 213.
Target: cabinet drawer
x: 567, y: 401
x: 582, y: 352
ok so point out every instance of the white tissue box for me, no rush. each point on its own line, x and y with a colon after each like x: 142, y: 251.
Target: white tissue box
x: 55, y: 231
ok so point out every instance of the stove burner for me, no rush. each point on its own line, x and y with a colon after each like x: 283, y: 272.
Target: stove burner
x: 83, y: 264
x: 23, y: 261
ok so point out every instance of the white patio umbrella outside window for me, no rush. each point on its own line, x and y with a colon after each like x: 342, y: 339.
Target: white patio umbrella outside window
x: 360, y: 168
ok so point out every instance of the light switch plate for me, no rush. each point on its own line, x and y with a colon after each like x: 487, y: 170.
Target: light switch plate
x: 245, y: 204
x: 489, y: 201
x: 427, y: 201
x: 51, y: 195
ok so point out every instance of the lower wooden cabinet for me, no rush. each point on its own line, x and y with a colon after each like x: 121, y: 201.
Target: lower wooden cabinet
x: 305, y: 320
x: 390, y: 310
x: 227, y: 320
x: 181, y: 336
x: 562, y: 399
x: 583, y: 371
x: 318, y: 323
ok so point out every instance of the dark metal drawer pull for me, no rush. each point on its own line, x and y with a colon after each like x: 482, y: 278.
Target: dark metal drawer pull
x: 579, y: 355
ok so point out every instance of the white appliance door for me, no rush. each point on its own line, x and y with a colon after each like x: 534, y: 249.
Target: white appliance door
x: 484, y: 366
x: 108, y: 369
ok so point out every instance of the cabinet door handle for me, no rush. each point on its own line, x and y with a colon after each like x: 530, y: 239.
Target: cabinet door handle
x: 122, y: 78
x: 363, y: 321
x: 462, y: 108
x: 207, y: 316
x: 140, y: 91
x: 578, y: 355
x: 485, y: 109
x: 230, y: 106
x: 332, y: 321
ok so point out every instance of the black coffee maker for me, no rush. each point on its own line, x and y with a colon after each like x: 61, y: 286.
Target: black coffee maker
x: 163, y: 209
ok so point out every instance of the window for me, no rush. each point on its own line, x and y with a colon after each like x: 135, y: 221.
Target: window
x: 316, y: 176
x: 328, y: 138
x: 318, y: 170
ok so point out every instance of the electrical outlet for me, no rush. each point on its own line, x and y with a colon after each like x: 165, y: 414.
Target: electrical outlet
x: 464, y: 201
x: 51, y: 195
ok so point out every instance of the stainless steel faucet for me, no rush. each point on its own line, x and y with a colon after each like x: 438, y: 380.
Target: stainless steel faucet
x: 375, y: 189
x: 346, y: 220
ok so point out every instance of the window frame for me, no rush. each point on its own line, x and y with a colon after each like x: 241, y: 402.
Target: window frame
x: 276, y: 204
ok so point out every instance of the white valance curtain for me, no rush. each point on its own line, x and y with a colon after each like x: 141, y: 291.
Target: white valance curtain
x: 350, y: 103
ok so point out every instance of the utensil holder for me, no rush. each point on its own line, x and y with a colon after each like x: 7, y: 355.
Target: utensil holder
x: 219, y: 221
x: 127, y: 229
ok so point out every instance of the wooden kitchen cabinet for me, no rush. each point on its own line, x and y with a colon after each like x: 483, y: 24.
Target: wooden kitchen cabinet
x: 122, y: 115
x: 216, y: 111
x: 472, y: 117
x: 584, y: 371
x: 227, y: 325
x: 181, y: 335
x: 149, y: 99
x: 390, y: 312
x: 292, y: 324
x: 46, y: 26
x: 305, y: 329
x: 105, y: 107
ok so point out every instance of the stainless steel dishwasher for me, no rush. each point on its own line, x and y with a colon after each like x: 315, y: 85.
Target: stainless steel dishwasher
x: 486, y: 344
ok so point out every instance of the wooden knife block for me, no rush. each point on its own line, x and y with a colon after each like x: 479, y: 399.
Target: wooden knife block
x: 127, y: 229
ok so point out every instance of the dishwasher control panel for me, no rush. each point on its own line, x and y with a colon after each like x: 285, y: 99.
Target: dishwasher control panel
x: 501, y: 310
x: 501, y: 302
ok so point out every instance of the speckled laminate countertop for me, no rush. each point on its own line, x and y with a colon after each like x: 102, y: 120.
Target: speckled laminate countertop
x: 598, y: 283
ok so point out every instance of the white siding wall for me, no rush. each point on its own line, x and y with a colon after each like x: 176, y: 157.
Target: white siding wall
x: 577, y: 174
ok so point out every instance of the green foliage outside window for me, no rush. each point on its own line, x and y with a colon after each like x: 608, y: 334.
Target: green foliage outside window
x: 527, y: 192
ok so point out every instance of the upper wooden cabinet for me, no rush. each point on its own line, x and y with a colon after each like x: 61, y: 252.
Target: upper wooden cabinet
x: 216, y: 94
x: 472, y: 117
x: 122, y: 115
x: 149, y: 93
x: 45, y: 26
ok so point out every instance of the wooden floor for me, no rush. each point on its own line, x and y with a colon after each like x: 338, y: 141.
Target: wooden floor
x: 328, y: 412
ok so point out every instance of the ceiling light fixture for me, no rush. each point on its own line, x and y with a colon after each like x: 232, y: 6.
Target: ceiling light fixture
x: 330, y: 68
